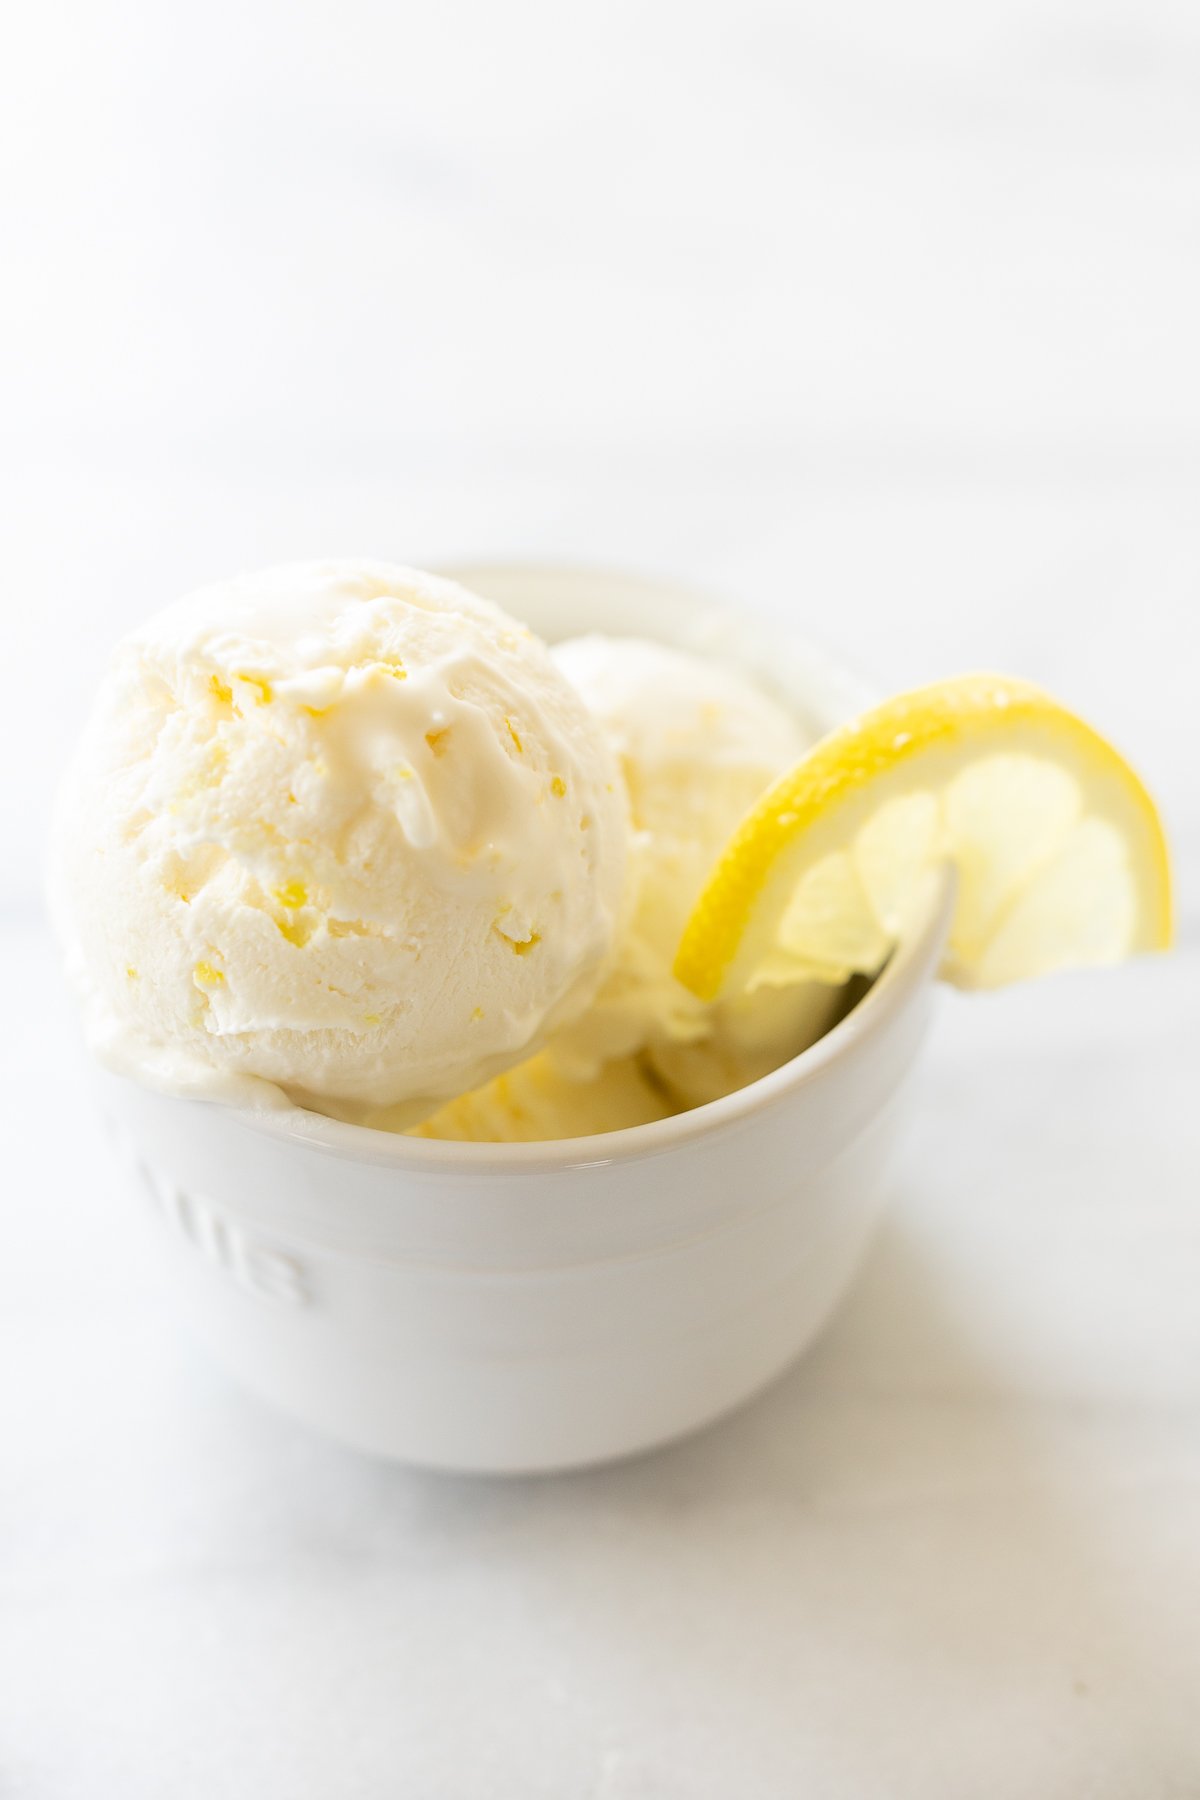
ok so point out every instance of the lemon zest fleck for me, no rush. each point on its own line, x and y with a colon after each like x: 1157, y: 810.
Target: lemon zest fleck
x: 296, y: 931
x: 292, y: 894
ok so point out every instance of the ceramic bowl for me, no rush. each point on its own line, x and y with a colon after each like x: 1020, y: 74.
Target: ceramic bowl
x: 518, y: 1307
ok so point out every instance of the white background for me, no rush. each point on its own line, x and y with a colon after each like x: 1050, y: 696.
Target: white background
x: 879, y: 319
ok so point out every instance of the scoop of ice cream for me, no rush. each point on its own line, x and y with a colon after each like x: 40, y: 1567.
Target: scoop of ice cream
x: 344, y: 828
x: 697, y: 742
x: 539, y: 1100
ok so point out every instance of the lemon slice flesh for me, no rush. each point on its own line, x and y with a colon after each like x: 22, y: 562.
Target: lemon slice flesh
x: 1059, y: 851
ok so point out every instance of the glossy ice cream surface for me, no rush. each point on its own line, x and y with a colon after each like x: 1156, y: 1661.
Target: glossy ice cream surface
x: 337, y: 833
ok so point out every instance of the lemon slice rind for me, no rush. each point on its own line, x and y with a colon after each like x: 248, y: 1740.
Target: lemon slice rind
x: 1059, y: 850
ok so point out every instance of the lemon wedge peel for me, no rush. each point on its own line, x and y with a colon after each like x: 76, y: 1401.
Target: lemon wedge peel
x: 914, y: 744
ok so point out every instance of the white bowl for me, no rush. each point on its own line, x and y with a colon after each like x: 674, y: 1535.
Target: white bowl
x: 508, y: 1307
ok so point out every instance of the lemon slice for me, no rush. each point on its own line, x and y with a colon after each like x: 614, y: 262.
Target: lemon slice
x: 1058, y: 849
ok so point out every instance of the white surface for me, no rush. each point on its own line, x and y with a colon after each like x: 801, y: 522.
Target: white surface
x: 886, y: 313
x: 953, y: 1552
x: 879, y: 317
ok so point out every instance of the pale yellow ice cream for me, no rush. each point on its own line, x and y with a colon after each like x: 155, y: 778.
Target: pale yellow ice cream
x: 347, y: 835
x: 698, y: 742
x: 538, y: 1100
x: 341, y: 832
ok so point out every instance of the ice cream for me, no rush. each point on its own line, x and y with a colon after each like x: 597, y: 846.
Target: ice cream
x: 540, y: 1100
x: 341, y: 833
x: 697, y: 742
